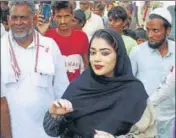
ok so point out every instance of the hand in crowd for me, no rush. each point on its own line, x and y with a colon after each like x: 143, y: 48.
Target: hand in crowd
x: 102, y: 134
x: 60, y: 107
x: 41, y: 25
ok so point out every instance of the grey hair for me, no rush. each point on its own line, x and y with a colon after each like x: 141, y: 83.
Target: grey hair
x: 29, y: 3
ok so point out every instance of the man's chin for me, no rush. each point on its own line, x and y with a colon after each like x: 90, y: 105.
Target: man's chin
x: 22, y: 35
x: 19, y: 36
x: 154, y: 46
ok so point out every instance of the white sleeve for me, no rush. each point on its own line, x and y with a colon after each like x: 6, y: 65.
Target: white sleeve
x: 3, y: 88
x: 60, y: 81
x: 166, y: 90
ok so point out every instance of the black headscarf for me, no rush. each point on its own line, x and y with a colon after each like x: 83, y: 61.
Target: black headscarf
x: 112, y: 104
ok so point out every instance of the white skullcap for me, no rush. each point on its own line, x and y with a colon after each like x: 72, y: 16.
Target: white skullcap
x: 90, y: 1
x: 164, y: 13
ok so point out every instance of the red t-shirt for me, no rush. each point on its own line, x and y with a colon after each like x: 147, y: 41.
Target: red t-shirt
x: 72, y: 48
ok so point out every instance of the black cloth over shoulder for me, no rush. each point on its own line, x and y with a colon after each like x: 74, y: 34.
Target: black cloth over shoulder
x: 113, y: 104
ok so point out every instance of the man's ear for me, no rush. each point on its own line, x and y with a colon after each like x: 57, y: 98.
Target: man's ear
x: 168, y: 31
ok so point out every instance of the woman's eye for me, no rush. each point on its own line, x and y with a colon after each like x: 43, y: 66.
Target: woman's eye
x: 105, y: 53
x: 92, y: 52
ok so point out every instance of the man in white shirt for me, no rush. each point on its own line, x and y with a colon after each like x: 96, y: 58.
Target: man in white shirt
x: 93, y: 21
x: 152, y: 60
x: 32, y: 72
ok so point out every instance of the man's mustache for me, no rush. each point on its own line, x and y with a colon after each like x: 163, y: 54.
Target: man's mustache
x: 63, y: 24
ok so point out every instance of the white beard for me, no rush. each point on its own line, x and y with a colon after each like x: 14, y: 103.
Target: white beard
x: 22, y: 35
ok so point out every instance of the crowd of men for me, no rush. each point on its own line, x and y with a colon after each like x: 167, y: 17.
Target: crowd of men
x: 32, y: 78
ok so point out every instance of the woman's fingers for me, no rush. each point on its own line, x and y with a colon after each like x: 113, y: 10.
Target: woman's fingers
x: 66, y: 104
x: 61, y: 107
x: 57, y: 104
x: 70, y: 106
x: 61, y: 101
x: 102, y: 134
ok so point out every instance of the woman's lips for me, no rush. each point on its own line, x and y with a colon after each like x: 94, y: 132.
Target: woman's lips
x: 98, y: 67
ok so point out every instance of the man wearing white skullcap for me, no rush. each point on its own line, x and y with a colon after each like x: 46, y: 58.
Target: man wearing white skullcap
x: 153, y: 60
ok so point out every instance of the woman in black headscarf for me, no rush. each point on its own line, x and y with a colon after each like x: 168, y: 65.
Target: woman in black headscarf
x: 105, y: 97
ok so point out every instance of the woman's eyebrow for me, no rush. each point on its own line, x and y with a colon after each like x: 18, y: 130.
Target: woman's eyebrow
x: 104, y: 49
x: 92, y: 48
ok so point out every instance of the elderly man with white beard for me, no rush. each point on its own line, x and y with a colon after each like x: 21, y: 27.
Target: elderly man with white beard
x: 33, y: 73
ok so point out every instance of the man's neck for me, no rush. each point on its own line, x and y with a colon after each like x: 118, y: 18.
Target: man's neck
x: 66, y: 32
x: 26, y: 41
x: 163, y: 49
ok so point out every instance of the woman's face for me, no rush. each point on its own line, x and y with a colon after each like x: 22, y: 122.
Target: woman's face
x: 102, y: 57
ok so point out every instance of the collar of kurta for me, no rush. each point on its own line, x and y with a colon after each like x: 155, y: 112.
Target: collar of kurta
x: 170, y: 49
x: 32, y: 45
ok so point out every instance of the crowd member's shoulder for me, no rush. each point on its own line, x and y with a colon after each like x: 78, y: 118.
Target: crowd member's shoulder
x: 79, y: 34
x: 50, y: 31
x: 128, y: 38
x: 4, y: 41
x: 139, y: 49
x: 48, y: 41
x: 129, y: 32
x: 144, y: 45
x: 4, y: 37
x: 95, y: 17
x: 75, y: 31
x: 171, y: 43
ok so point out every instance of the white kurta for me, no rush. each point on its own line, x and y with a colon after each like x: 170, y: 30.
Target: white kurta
x: 30, y: 97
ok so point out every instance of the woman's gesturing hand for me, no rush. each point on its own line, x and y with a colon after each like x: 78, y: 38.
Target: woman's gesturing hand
x: 60, y: 107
